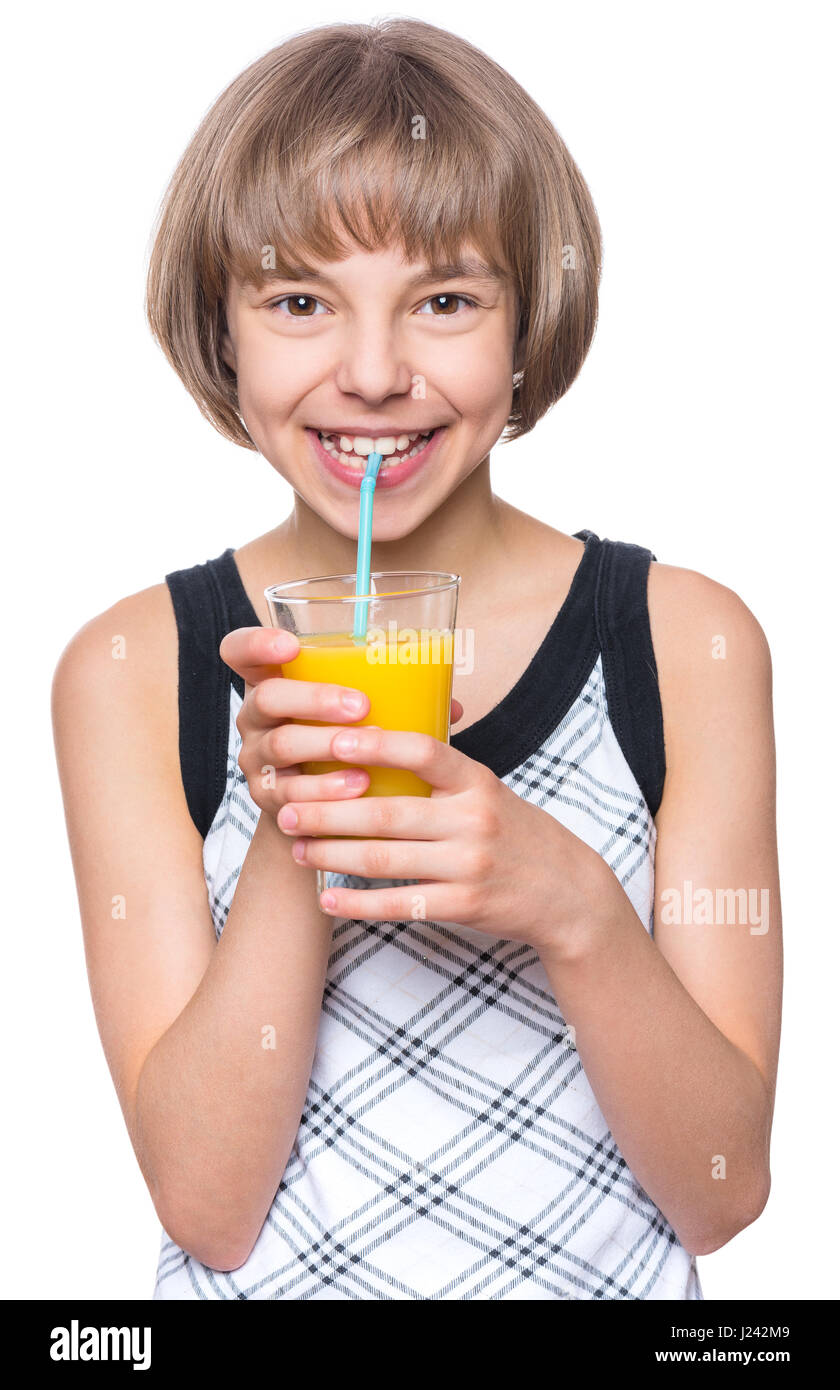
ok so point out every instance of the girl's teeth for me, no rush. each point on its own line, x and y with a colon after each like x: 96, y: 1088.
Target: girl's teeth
x: 386, y: 445
x: 353, y: 452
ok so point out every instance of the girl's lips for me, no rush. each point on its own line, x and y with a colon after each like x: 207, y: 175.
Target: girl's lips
x: 387, y: 477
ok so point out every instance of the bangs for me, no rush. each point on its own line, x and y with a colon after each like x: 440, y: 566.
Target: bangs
x: 312, y: 183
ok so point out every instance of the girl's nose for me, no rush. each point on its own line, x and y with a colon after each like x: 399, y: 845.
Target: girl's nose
x: 372, y: 365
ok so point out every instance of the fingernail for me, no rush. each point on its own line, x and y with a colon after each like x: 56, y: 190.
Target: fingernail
x: 354, y: 704
x: 354, y: 779
x: 328, y: 901
x: 288, y: 817
x: 298, y: 849
x: 346, y: 743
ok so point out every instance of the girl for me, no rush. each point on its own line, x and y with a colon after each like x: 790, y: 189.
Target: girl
x: 559, y: 1082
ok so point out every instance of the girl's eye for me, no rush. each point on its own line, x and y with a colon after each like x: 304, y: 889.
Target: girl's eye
x: 298, y: 305
x: 443, y: 305
x: 302, y: 306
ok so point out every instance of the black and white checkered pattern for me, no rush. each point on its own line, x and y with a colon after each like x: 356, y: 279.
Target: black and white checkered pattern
x: 451, y: 1146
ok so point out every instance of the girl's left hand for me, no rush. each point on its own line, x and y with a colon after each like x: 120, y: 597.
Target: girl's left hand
x: 484, y: 857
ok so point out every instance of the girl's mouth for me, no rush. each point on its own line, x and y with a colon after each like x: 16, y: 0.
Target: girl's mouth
x: 395, y: 468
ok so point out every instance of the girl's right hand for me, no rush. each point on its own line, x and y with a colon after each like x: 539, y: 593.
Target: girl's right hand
x: 270, y: 741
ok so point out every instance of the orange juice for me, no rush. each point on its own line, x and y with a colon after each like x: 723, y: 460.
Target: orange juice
x: 408, y: 682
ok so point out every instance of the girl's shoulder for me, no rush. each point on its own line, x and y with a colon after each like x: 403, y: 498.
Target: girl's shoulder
x: 697, y: 623
x: 121, y: 666
x: 140, y: 624
x: 139, y: 638
x: 714, y: 674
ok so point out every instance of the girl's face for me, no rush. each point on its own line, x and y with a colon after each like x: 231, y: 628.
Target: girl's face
x: 374, y: 352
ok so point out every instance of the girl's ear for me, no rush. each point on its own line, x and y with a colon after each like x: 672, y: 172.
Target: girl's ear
x: 519, y: 355
x: 226, y: 349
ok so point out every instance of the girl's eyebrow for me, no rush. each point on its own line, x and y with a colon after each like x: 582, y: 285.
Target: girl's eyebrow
x: 469, y: 268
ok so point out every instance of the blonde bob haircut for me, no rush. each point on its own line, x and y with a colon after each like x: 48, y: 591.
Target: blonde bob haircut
x: 399, y: 133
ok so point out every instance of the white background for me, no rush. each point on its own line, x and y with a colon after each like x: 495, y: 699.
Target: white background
x: 700, y: 427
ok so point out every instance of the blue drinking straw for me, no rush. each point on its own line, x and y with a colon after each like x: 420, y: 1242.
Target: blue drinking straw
x: 363, y: 552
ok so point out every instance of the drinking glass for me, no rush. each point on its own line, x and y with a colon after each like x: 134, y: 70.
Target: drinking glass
x: 403, y: 663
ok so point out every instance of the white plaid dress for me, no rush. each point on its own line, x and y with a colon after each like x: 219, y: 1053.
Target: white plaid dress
x: 450, y: 1145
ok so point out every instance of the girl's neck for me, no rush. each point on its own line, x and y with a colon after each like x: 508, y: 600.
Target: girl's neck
x: 466, y: 535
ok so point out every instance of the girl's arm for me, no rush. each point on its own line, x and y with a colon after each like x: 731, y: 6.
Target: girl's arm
x: 679, y: 1037
x: 211, y: 1106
